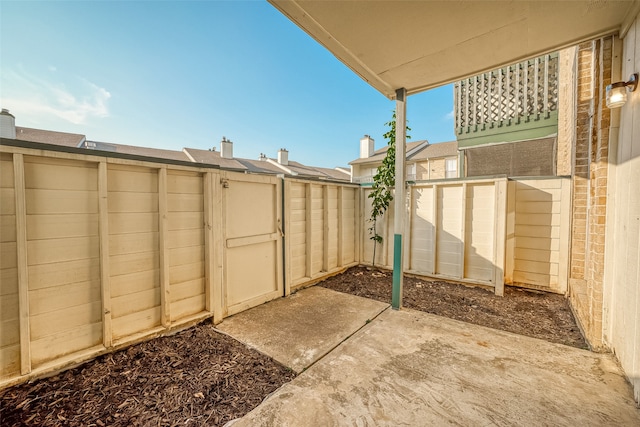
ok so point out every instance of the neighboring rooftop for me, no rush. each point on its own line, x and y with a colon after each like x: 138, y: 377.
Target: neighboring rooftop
x: 437, y: 150
x: 49, y: 137
x: 213, y: 158
x: 223, y: 158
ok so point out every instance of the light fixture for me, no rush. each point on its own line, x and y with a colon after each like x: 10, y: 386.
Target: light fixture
x: 617, y: 92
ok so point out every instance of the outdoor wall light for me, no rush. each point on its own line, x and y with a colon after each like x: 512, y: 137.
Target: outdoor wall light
x: 617, y: 92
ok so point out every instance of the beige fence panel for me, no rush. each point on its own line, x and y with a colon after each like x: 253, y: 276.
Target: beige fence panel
x: 96, y: 253
x: 134, y: 249
x: 63, y: 257
x: 454, y: 230
x: 9, y: 315
x: 321, y: 229
x: 186, y: 243
x: 538, y: 233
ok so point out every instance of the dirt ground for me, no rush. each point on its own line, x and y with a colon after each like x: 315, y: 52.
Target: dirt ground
x: 526, y: 312
x: 199, y: 377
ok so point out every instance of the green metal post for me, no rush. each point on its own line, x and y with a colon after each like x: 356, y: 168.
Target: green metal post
x: 399, y: 197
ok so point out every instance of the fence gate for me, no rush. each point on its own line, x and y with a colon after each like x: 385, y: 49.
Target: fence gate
x: 252, y: 217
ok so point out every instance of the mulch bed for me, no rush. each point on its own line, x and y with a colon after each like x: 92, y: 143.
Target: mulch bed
x: 526, y: 312
x: 197, y: 377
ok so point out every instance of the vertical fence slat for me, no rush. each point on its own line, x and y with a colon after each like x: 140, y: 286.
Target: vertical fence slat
x: 463, y: 229
x: 358, y: 233
x: 434, y: 243
x: 308, y: 231
x: 340, y: 226
x: 510, y: 231
x: 208, y: 243
x: 325, y: 228
x: 500, y: 235
x: 407, y: 228
x: 216, y: 253
x: 23, y: 273
x: 165, y: 315
x: 288, y: 264
x: 105, y: 279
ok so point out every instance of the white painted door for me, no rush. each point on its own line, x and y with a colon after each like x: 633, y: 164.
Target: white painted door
x: 252, y: 240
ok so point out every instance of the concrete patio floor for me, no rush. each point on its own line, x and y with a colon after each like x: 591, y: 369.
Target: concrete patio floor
x: 412, y: 368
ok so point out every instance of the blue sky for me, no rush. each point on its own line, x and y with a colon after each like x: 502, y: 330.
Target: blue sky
x: 169, y: 74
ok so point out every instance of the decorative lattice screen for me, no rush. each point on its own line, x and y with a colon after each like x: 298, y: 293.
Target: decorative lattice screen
x: 509, y: 93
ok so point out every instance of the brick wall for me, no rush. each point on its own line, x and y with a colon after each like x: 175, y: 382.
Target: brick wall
x: 590, y: 169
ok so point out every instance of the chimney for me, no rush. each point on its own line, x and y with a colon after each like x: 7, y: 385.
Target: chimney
x: 7, y: 124
x: 366, y: 147
x: 283, y: 157
x: 226, y: 149
x: 263, y: 157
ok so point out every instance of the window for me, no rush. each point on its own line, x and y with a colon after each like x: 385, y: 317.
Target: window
x: 411, y: 172
x: 451, y: 168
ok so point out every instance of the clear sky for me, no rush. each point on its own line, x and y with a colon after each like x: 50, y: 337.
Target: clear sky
x: 173, y: 74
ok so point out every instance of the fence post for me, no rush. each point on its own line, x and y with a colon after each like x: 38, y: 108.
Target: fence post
x: 23, y: 272
x: 105, y: 274
x: 165, y: 298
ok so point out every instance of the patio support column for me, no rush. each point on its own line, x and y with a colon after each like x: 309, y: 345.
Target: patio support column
x: 399, y: 211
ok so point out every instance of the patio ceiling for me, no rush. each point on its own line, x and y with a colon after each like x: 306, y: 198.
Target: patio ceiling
x: 419, y: 45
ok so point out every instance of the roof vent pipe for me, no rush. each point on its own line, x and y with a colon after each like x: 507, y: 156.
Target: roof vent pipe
x: 7, y: 124
x: 366, y: 147
x: 226, y: 148
x: 283, y: 157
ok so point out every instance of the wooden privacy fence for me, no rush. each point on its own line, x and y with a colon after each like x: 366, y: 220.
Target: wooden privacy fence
x: 97, y: 252
x: 482, y: 231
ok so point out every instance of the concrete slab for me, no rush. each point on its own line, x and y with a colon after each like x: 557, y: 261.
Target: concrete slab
x: 300, y: 329
x: 414, y: 369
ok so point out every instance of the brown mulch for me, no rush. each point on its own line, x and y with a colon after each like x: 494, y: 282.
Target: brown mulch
x: 526, y: 312
x: 197, y: 377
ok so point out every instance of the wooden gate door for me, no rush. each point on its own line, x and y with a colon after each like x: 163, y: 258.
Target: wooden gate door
x: 252, y: 209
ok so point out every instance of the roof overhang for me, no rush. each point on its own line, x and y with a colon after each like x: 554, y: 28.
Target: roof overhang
x: 419, y: 45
